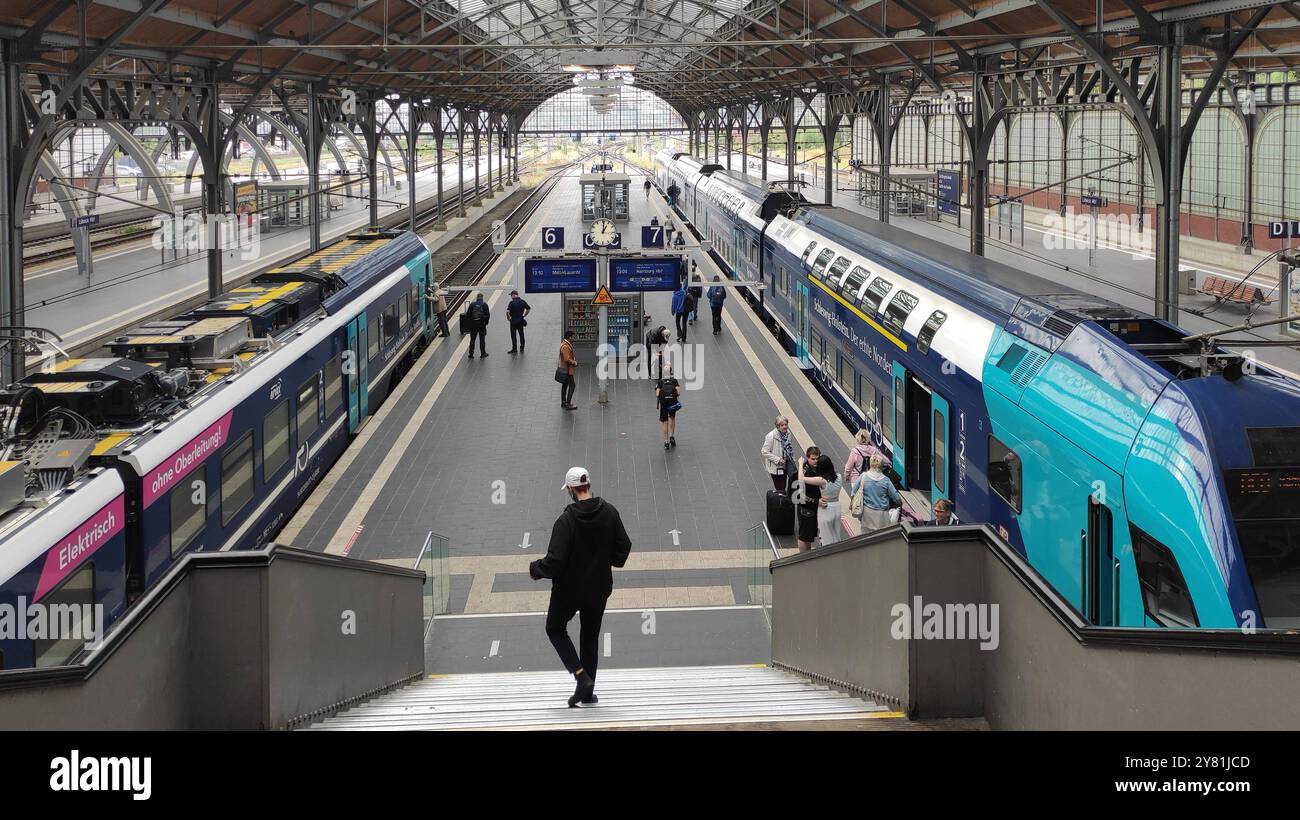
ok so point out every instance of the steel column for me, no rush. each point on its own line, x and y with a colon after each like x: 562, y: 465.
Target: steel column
x: 477, y: 196
x: 460, y: 160
x: 212, y: 166
x: 12, y: 300
x: 313, y: 164
x: 1169, y: 104
x: 884, y: 146
x: 439, y: 223
x: 412, y: 133
x: 372, y: 159
x: 979, y: 167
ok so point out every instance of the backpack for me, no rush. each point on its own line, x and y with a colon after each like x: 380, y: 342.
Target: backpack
x: 668, y: 390
x: 478, y: 312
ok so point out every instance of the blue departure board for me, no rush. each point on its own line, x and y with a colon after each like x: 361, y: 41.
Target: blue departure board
x: 662, y: 273
x: 559, y: 275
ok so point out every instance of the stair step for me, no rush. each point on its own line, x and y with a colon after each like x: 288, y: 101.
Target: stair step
x: 628, y: 698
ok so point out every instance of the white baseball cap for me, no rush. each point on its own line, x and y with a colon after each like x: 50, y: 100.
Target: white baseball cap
x: 576, y: 477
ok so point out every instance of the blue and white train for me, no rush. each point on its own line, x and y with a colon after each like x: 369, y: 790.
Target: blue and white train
x: 199, y: 433
x: 1152, y: 480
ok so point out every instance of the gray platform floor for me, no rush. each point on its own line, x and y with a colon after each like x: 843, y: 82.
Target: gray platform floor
x: 476, y: 450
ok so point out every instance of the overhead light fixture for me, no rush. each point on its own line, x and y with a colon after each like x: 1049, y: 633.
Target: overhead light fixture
x: 605, y: 60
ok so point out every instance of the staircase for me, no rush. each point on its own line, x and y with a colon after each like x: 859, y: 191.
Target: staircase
x: 682, y: 696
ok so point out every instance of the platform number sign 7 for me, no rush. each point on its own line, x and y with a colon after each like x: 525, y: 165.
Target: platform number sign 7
x: 552, y: 239
x: 652, y: 236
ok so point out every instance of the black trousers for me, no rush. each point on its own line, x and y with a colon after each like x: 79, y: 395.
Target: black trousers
x: 442, y: 323
x: 558, y: 616
x: 516, y: 337
x: 566, y: 389
x: 717, y: 318
x: 680, y: 319
x: 481, y: 334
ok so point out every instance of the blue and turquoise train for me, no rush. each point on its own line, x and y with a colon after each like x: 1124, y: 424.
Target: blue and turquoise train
x: 201, y: 432
x: 1152, y: 480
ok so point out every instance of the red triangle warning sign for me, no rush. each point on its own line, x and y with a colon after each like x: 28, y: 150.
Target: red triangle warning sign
x: 603, y: 297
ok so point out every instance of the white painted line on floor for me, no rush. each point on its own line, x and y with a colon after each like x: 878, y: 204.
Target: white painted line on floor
x: 504, y: 268
x: 496, y: 647
x: 657, y: 609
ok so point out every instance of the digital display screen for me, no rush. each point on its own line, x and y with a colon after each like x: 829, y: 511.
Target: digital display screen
x: 559, y: 275
x: 1271, y: 492
x: 1274, y: 446
x: 645, y: 274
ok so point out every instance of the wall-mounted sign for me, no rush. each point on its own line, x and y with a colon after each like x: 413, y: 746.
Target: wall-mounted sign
x: 559, y: 275
x: 658, y: 273
x: 948, y: 187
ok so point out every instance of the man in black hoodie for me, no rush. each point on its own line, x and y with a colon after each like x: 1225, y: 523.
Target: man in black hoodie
x: 588, y: 539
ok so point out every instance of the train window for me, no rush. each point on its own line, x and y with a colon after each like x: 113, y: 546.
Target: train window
x: 308, y: 409
x: 404, y: 315
x: 333, y: 385
x: 391, y: 326
x: 900, y: 307
x: 857, y: 279
x: 188, y: 514
x: 815, y: 346
x: 845, y: 374
x: 1006, y: 474
x: 876, y: 292
x: 372, y: 334
x: 940, y: 451
x: 76, y: 596
x: 275, y: 440
x: 926, y: 336
x: 1164, y: 591
x: 236, y: 477
x: 837, y: 270
x: 823, y: 259
x: 866, y: 397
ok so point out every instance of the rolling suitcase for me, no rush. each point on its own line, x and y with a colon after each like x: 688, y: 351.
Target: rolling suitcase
x: 466, y: 324
x: 780, y: 513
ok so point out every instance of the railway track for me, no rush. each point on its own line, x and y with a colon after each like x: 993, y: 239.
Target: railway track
x: 425, y: 217
x: 471, y: 269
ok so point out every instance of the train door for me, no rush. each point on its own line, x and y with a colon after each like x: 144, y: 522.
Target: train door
x: 920, y: 463
x: 737, y: 242
x: 355, y: 373
x: 1099, y: 568
x: 940, y: 415
x: 801, y: 342
x: 426, y: 304
x: 899, y: 405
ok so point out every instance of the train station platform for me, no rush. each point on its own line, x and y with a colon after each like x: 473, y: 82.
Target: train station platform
x: 130, y: 283
x: 476, y: 450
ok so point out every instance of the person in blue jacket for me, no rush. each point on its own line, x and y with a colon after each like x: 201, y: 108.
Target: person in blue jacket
x: 716, y: 295
x: 680, y: 311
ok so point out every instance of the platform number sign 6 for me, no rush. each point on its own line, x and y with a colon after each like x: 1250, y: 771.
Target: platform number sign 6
x: 552, y: 239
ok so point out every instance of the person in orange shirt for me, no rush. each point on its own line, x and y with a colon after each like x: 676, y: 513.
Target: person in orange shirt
x: 569, y: 364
